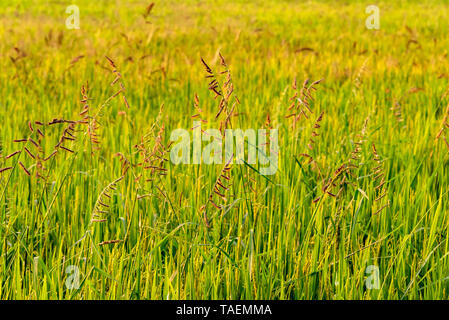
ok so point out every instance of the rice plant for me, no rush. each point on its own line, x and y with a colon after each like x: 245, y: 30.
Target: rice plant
x: 355, y: 210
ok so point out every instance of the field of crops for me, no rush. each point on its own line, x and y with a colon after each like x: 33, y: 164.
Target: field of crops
x: 93, y: 204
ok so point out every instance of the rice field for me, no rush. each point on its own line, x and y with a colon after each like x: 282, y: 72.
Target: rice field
x: 94, y: 206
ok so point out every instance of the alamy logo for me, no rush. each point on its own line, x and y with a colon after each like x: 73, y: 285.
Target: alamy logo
x: 372, y: 281
x: 373, y: 20
x: 262, y: 146
x: 73, y: 280
x: 73, y: 21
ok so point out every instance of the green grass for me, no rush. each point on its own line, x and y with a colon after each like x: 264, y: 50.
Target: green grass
x: 270, y: 240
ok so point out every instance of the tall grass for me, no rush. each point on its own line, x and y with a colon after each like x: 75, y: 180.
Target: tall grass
x: 362, y: 178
